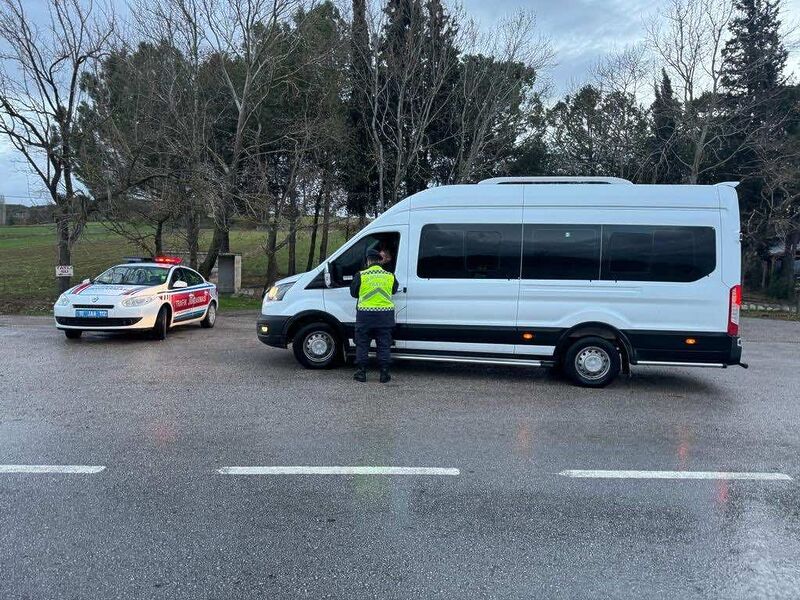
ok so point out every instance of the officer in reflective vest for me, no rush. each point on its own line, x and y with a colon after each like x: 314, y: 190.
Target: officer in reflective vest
x: 374, y: 288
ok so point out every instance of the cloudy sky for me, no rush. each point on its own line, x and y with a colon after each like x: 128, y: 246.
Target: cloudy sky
x: 580, y: 31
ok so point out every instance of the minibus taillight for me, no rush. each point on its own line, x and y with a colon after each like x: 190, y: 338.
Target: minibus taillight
x: 734, y: 308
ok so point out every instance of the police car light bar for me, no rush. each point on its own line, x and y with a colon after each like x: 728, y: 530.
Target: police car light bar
x: 168, y: 260
x: 165, y: 260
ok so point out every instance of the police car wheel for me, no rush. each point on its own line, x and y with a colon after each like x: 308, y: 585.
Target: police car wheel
x: 162, y: 324
x: 592, y: 362
x: 210, y: 318
x: 317, y: 346
x: 73, y: 334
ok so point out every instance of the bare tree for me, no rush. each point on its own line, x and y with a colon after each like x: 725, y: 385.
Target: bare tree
x: 40, y: 72
x: 491, y: 77
x: 688, y: 37
x: 248, y: 39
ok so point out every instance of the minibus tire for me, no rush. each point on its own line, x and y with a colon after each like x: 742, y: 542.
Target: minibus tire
x: 317, y: 346
x: 592, y: 362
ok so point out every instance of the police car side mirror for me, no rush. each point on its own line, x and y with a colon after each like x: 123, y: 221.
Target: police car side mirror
x: 87, y: 280
x: 180, y: 284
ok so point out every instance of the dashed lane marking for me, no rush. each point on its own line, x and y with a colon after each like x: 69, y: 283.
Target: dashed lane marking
x: 60, y: 469
x: 588, y: 474
x: 308, y: 470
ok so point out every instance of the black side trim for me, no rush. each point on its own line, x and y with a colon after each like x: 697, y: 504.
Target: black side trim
x: 542, y: 336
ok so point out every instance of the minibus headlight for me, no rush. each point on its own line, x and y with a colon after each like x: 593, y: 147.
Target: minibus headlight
x: 277, y: 292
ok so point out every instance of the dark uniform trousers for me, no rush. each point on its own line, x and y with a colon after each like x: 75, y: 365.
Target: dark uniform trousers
x: 374, y: 325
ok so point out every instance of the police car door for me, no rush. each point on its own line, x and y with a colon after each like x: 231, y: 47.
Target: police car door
x: 393, y: 242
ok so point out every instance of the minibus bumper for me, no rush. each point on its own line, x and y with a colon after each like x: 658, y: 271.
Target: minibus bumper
x: 271, y: 330
x: 701, y: 349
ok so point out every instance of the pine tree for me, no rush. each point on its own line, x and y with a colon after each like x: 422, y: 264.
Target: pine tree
x: 755, y: 56
x: 357, y: 173
x: 664, y: 125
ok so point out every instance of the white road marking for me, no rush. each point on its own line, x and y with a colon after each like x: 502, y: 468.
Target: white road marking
x: 301, y: 470
x: 62, y: 469
x: 675, y: 475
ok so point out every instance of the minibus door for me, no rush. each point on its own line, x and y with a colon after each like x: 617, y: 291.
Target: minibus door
x: 393, y: 242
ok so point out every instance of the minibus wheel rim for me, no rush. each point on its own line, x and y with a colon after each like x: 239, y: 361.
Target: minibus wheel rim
x: 319, y: 346
x: 593, y: 363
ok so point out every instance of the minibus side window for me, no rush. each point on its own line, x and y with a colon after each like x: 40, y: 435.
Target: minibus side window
x: 658, y: 253
x: 469, y: 251
x: 561, y: 252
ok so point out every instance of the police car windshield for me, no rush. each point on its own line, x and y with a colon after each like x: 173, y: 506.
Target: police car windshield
x: 133, y: 275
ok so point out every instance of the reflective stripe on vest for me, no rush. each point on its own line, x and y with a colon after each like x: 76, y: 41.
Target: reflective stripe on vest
x: 375, y: 292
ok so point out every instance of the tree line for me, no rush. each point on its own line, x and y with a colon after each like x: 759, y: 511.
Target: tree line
x: 294, y: 115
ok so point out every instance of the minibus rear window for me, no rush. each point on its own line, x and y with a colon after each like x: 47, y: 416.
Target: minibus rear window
x: 657, y: 253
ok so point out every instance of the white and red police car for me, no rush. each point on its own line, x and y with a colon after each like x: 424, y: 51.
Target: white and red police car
x: 141, y: 294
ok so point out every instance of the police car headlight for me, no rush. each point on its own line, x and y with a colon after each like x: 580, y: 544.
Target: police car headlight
x: 140, y: 301
x: 63, y: 300
x: 277, y: 292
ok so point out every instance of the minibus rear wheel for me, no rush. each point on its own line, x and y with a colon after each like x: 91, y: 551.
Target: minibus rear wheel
x: 592, y: 362
x: 317, y: 346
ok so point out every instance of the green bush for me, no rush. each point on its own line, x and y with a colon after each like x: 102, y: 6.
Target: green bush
x: 781, y: 288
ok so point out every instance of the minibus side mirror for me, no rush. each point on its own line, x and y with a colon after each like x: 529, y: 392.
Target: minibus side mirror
x: 327, y: 275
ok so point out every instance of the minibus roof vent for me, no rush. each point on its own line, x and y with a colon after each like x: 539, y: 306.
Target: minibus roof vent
x: 554, y: 179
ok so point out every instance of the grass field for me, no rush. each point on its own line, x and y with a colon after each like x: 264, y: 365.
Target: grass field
x: 28, y: 256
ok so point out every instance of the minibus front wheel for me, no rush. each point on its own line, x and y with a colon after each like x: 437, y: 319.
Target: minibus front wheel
x: 592, y: 362
x: 317, y: 346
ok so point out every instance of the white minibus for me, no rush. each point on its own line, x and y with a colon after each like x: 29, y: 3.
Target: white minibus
x: 590, y: 275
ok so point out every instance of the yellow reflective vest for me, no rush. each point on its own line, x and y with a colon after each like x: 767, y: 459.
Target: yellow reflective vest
x: 375, y: 291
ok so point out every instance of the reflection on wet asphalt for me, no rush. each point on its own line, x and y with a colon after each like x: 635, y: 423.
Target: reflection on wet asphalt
x: 160, y: 522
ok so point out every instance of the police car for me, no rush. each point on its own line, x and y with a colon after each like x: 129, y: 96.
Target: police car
x: 143, y: 294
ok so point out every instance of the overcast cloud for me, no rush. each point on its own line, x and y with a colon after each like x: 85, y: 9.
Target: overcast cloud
x: 581, y: 31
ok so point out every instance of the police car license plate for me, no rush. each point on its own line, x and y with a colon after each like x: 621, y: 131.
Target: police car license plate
x: 92, y: 314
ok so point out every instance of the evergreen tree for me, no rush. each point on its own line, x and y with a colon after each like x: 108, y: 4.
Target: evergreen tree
x: 755, y: 56
x: 664, y: 131
x: 358, y: 172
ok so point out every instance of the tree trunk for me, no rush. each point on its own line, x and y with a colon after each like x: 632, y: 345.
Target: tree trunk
x: 312, y: 246
x: 326, y: 227
x: 192, y: 234
x: 213, y: 251
x: 291, y: 267
x: 272, y: 266
x: 158, y: 238
x: 63, y: 247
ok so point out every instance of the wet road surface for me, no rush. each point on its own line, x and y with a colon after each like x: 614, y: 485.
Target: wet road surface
x: 161, y: 521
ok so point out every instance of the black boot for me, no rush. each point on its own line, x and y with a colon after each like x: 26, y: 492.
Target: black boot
x: 360, y: 375
x: 385, y: 377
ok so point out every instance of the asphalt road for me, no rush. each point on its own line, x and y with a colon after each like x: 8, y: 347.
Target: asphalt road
x: 160, y: 522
